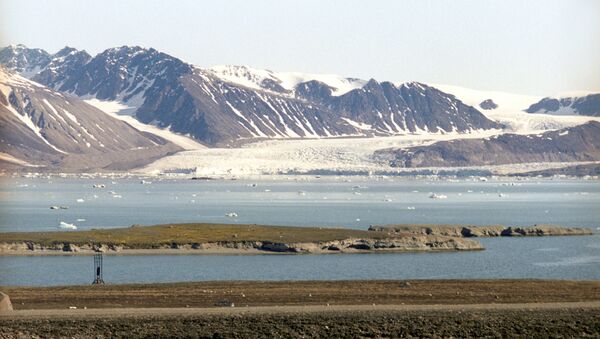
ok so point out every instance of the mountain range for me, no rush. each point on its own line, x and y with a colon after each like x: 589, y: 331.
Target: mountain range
x: 153, y: 101
x: 224, y: 104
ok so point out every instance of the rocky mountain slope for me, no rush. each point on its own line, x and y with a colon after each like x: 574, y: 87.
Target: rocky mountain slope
x: 588, y: 105
x: 224, y: 104
x: 42, y: 127
x: 579, y: 143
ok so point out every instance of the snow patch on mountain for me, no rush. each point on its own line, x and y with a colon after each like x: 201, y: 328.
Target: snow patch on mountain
x: 122, y: 111
x: 255, y: 78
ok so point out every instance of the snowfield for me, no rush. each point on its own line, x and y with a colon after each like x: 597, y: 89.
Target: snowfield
x: 510, y: 111
x: 124, y: 113
x: 254, y: 78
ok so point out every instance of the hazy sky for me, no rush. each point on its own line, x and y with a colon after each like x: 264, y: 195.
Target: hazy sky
x: 529, y: 47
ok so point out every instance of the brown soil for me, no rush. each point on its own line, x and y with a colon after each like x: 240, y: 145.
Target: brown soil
x: 421, y: 308
x: 211, y: 294
x: 556, y: 320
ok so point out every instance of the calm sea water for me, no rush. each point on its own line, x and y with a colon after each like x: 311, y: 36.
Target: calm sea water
x: 24, y: 206
x: 25, y: 203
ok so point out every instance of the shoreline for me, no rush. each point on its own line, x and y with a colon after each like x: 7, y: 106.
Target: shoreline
x: 254, y: 248
x: 240, y: 239
x: 225, y: 239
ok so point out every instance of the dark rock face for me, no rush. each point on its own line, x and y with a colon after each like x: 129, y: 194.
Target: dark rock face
x: 313, y: 91
x: 579, y: 143
x: 277, y: 247
x: 545, y: 105
x: 488, y: 104
x: 170, y: 93
x: 23, y: 59
x: 588, y: 105
x: 59, y: 67
x: 44, y: 127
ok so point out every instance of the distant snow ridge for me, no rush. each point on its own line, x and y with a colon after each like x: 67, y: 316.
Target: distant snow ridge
x: 512, y: 110
x: 283, y: 82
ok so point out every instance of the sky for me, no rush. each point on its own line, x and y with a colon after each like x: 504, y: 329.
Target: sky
x: 528, y: 47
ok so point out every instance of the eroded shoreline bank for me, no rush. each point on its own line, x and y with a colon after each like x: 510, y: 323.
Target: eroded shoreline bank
x: 237, y: 239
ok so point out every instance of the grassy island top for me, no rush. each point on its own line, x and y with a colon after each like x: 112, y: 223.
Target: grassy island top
x: 191, y: 233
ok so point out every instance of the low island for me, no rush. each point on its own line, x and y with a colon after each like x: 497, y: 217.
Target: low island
x: 469, y: 231
x: 257, y: 239
x: 224, y: 239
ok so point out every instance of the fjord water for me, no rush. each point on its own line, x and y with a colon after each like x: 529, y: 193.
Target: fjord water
x: 24, y: 206
x: 25, y: 203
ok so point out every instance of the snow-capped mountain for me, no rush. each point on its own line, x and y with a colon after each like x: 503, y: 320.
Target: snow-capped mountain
x: 26, y: 61
x: 588, y: 105
x: 224, y: 104
x: 43, y: 127
x: 283, y: 82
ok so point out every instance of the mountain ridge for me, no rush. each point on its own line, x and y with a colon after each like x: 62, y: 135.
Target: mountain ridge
x: 47, y: 128
x: 213, y: 108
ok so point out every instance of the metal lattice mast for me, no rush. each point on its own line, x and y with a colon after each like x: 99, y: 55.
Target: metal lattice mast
x: 98, y: 269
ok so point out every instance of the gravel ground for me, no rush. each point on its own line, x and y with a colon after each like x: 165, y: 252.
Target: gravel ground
x: 420, y: 308
x: 558, y: 322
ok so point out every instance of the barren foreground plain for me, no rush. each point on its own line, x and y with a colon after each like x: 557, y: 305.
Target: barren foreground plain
x: 444, y: 308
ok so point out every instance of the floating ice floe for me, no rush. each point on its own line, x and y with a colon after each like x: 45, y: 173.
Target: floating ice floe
x: 80, y: 219
x: 144, y: 182
x: 231, y: 215
x: 301, y: 193
x: 118, y: 196
x: 438, y: 196
x: 99, y: 186
x: 410, y: 208
x: 80, y: 200
x: 67, y: 226
x: 54, y: 207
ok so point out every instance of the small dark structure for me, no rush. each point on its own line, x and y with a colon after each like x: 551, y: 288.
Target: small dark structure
x: 98, y: 270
